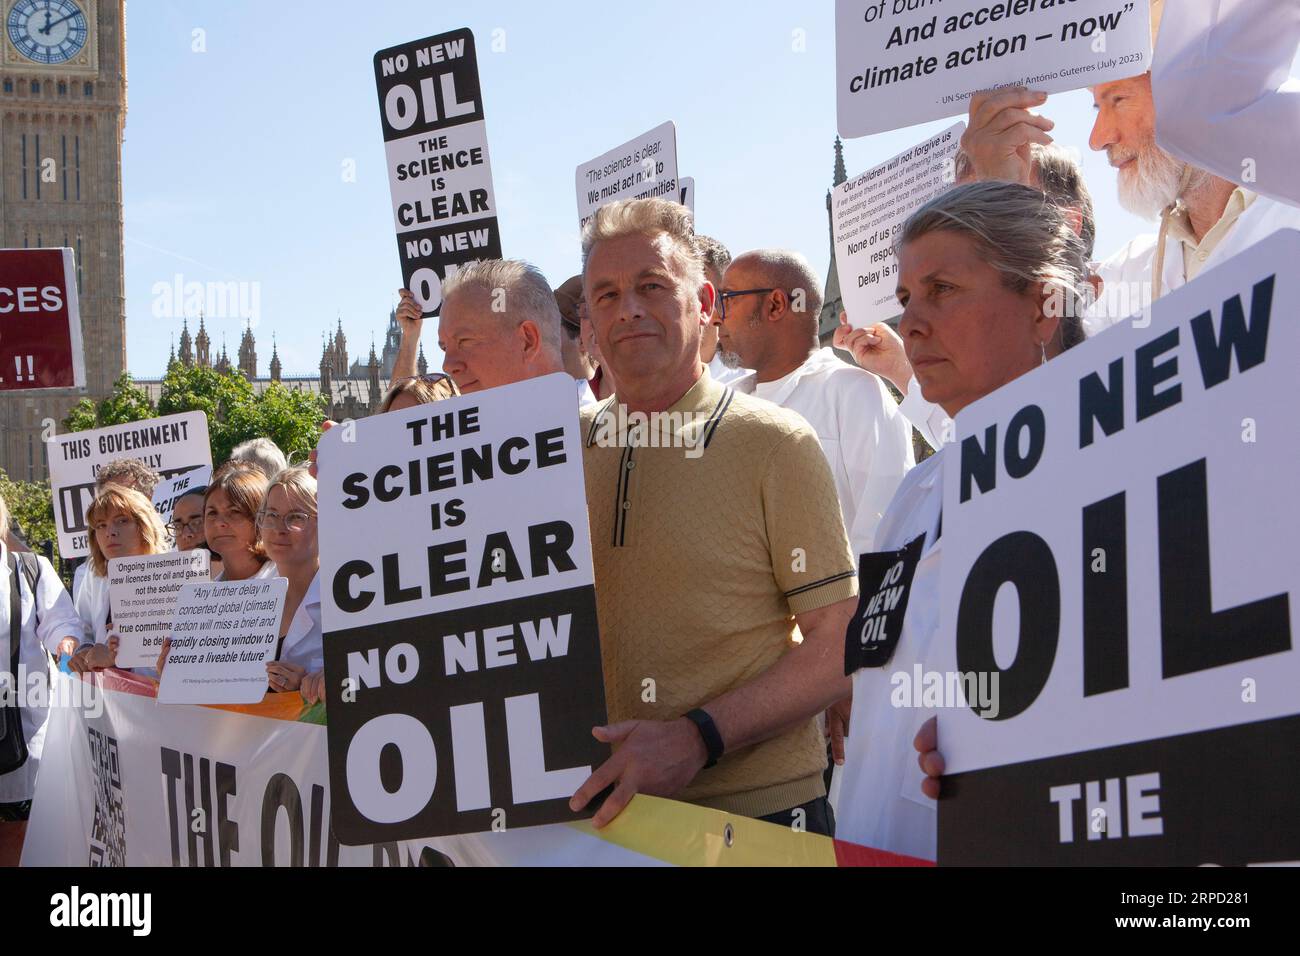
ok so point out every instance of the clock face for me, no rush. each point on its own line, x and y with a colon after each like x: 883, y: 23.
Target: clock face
x: 47, y: 31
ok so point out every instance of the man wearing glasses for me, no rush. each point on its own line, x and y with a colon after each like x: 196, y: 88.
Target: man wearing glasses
x: 767, y: 318
x: 731, y: 723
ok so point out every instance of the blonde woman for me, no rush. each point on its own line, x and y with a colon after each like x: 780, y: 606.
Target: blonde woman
x: 123, y: 524
x: 287, y: 524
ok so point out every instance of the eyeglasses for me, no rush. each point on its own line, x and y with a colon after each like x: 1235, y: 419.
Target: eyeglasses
x: 193, y: 526
x: 724, y: 296
x: 294, y: 521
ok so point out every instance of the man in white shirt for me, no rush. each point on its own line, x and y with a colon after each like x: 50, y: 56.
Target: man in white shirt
x: 1204, y: 219
x: 716, y: 259
x: 769, y: 304
x: 1232, y: 59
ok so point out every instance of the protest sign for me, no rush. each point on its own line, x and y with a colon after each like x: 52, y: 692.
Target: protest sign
x: 142, y: 594
x: 642, y: 167
x: 254, y: 780
x: 1119, y: 529
x: 687, y: 193
x: 40, y: 321
x: 868, y: 211
x: 170, y: 489
x: 223, y: 634
x: 436, y: 152
x: 462, y: 660
x: 902, y: 62
x: 168, y: 445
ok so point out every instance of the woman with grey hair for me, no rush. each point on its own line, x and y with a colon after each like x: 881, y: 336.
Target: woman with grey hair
x: 993, y: 283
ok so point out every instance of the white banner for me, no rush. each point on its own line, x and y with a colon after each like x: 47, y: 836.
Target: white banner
x: 171, y: 444
x: 142, y: 599
x: 902, y: 62
x: 1118, y: 530
x: 867, y: 213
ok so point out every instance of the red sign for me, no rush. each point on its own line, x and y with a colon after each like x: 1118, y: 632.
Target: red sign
x: 40, y: 323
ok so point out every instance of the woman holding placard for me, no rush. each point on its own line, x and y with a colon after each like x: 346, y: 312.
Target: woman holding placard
x: 287, y: 522
x: 993, y: 283
x: 123, y: 524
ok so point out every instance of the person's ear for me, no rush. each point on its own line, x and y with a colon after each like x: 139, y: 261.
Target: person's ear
x: 1052, y: 306
x: 777, y: 304
x: 1074, y: 216
x: 532, y: 338
x: 708, y: 298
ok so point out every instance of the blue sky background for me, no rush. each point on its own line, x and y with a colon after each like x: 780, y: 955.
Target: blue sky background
x: 233, y: 161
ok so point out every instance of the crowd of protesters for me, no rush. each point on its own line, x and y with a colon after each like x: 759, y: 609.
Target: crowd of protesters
x: 807, y: 454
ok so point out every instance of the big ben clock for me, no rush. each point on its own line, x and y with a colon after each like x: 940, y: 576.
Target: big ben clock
x: 51, y: 33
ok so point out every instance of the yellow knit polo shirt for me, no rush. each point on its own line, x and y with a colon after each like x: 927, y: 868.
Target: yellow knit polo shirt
x: 711, y: 527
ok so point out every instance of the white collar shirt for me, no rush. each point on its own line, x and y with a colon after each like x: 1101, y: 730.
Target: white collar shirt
x: 864, y: 436
x: 302, y: 644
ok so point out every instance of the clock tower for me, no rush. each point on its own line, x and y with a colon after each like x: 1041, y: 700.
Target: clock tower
x: 62, y: 113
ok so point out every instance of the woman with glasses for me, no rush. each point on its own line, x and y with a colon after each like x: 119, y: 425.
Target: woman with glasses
x: 123, y: 524
x: 186, y: 527
x: 287, y: 523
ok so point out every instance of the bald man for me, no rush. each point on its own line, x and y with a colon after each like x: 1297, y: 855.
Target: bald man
x: 767, y: 320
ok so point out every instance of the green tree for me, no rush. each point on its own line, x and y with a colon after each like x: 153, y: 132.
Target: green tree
x: 32, y: 507
x: 126, y: 403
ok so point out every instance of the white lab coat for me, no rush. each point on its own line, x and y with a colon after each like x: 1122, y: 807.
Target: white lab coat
x: 926, y: 417
x: 303, y: 639
x: 47, y: 618
x: 864, y: 436
x: 1224, y: 94
x: 741, y: 379
x: 1126, y: 275
x: 878, y: 800
x: 90, y: 598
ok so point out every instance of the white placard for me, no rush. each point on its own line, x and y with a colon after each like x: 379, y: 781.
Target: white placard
x: 223, y: 635
x: 142, y: 595
x: 169, y: 444
x: 867, y: 212
x: 686, y: 192
x: 170, y: 489
x: 902, y: 62
x: 642, y: 167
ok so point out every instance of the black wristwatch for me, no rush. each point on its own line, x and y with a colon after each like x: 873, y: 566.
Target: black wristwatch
x: 709, y: 732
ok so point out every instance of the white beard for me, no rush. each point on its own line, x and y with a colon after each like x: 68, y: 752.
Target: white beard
x: 1153, y: 185
x: 729, y: 359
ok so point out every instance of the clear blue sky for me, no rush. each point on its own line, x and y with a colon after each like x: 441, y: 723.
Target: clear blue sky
x: 234, y: 157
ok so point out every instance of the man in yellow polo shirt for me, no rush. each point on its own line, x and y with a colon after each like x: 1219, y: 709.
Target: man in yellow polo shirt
x: 715, y: 530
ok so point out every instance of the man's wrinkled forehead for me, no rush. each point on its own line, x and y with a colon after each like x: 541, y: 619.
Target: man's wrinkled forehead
x: 1105, y: 92
x: 633, y: 255
x: 471, y: 307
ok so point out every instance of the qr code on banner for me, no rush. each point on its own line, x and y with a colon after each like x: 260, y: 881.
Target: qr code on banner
x: 108, y: 835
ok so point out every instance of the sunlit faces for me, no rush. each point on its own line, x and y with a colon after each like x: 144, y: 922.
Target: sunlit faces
x: 964, y: 331
x: 646, y: 310
x: 229, y: 531
x: 118, y: 535
x: 288, y: 528
x: 742, y: 335
x: 1148, y: 177
x: 483, y: 348
x: 187, y: 523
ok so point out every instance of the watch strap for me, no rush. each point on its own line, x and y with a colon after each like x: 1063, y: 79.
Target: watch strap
x: 709, y: 732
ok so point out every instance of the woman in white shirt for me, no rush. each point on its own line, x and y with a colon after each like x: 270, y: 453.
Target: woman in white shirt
x: 45, y: 620
x: 287, y: 523
x: 993, y: 282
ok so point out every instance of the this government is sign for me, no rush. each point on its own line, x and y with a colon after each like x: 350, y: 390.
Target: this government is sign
x: 1119, y: 534
x: 462, y: 661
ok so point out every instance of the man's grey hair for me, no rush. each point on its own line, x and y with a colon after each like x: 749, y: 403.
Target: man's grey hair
x: 520, y: 288
x: 263, y: 454
x: 129, y: 472
x: 648, y: 217
x: 1021, y: 233
x: 1058, y: 174
x: 714, y: 255
x: 794, y: 275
